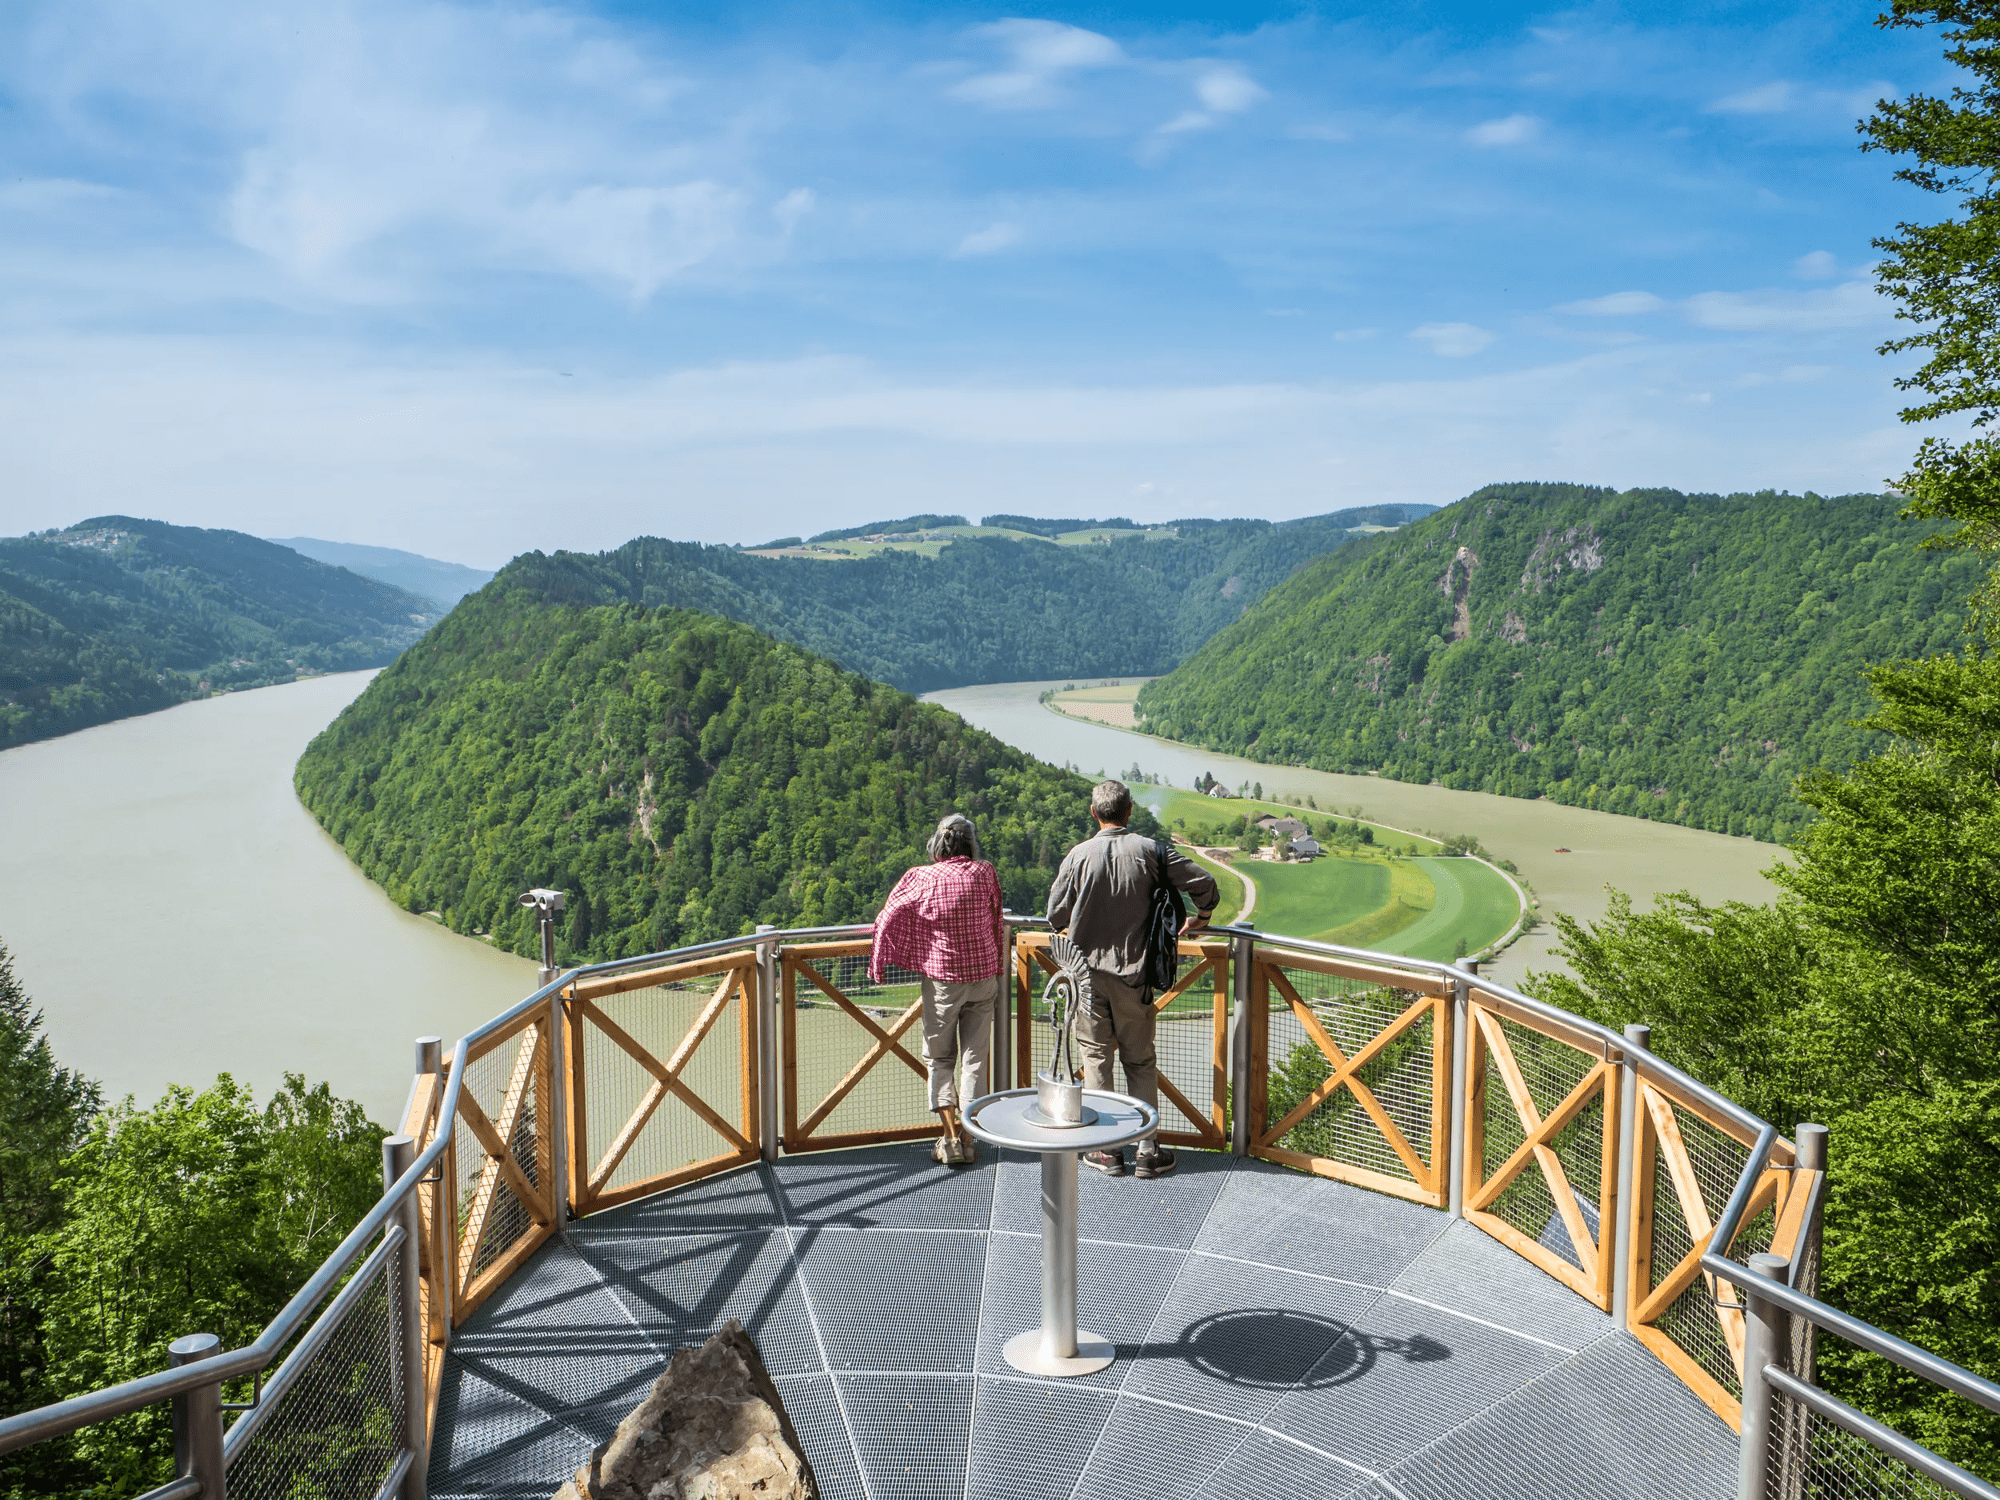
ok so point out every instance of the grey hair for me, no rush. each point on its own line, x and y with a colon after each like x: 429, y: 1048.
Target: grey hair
x: 954, y: 836
x: 1111, y: 802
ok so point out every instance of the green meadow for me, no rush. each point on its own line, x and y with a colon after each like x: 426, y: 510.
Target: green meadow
x: 1393, y: 894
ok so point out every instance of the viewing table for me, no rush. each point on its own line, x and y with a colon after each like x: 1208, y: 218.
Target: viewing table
x: 1013, y: 1120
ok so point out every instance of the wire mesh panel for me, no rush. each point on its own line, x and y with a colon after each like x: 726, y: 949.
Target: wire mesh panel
x: 662, y: 1078
x: 853, y: 1050
x: 502, y: 1169
x: 1821, y: 1460
x: 336, y: 1428
x: 1541, y: 1159
x: 1685, y: 1168
x: 1350, y: 1072
x: 1189, y: 1039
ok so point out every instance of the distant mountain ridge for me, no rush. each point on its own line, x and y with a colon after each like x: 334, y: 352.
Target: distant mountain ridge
x: 118, y: 616
x: 1671, y: 656
x: 985, y: 609
x: 430, y: 577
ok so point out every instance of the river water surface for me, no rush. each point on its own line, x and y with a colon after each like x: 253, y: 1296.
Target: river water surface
x: 176, y: 913
x: 1605, y: 850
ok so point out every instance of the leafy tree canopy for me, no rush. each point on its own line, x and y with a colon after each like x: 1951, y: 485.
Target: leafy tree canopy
x: 682, y: 777
x: 117, y: 616
x: 1681, y: 657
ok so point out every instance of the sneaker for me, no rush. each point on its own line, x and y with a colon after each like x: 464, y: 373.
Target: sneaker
x: 1110, y: 1163
x: 965, y: 1154
x: 1155, y: 1163
x: 941, y: 1150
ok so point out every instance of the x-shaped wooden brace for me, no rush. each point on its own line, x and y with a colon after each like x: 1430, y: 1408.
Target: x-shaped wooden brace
x: 500, y: 1164
x: 666, y: 1078
x: 886, y: 1042
x: 1539, y: 1133
x: 1701, y: 1227
x: 1345, y: 1073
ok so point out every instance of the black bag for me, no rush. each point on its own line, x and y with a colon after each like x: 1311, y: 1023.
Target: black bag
x: 1165, y: 917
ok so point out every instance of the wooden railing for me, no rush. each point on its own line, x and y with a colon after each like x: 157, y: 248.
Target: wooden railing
x: 1344, y: 1067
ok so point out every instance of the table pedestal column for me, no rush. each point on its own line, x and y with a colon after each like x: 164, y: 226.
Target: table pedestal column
x: 1058, y: 1347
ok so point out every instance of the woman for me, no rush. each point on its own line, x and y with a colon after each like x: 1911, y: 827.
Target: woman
x: 943, y: 921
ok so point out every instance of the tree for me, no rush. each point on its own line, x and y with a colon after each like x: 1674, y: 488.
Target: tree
x: 1946, y: 275
x: 45, y: 1111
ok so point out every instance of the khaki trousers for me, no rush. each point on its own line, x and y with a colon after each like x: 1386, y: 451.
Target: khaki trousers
x: 1120, y: 1020
x: 958, y: 1027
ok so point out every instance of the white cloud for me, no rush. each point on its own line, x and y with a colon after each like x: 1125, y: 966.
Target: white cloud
x: 793, y: 207
x: 988, y: 241
x: 1041, y: 56
x: 1766, y: 99
x: 1452, y: 340
x: 1227, y: 90
x: 1514, y: 130
x: 1853, y: 304
x: 1615, y: 305
x: 1817, y: 265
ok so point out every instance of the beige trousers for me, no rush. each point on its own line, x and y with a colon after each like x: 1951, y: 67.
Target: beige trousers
x: 958, y: 1027
x: 1119, y: 1021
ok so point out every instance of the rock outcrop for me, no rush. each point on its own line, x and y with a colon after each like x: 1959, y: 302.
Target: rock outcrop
x: 712, y: 1428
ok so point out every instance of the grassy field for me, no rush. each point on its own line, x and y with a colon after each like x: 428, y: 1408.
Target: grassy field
x: 1423, y: 906
x: 1227, y: 883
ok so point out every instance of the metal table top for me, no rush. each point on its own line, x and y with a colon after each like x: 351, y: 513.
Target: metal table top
x: 1002, y: 1120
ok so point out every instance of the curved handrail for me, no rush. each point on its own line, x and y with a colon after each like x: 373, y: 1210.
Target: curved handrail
x: 62, y: 1417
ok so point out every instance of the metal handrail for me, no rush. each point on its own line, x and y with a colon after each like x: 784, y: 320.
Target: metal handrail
x: 1940, y: 1471
x: 67, y: 1416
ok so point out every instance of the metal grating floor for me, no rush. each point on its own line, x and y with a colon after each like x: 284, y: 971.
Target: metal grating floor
x: 1278, y: 1336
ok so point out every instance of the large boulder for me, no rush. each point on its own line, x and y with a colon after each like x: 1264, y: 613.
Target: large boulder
x: 712, y: 1428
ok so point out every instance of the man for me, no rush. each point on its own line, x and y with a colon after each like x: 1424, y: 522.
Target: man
x: 1102, y: 896
x: 943, y: 921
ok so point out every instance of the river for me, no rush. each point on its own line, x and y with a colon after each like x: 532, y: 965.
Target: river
x: 1604, y: 850
x: 176, y: 913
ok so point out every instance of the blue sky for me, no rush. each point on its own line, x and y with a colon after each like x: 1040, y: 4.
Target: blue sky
x: 470, y: 279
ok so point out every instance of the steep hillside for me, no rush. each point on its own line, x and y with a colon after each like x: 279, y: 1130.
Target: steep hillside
x: 986, y: 609
x: 683, y: 777
x: 1669, y: 656
x: 116, y: 616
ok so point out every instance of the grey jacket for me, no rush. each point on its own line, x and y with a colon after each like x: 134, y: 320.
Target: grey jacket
x: 1104, y: 889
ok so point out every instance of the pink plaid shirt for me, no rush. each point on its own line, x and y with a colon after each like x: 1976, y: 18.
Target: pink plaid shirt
x: 943, y: 921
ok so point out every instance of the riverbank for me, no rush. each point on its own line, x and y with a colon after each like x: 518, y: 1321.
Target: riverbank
x: 1570, y: 857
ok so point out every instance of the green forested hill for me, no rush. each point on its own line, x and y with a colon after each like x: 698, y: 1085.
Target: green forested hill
x: 682, y: 777
x: 1669, y: 656
x: 116, y: 616
x: 986, y: 609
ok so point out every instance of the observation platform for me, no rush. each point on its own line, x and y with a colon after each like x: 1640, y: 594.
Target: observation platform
x: 1279, y: 1337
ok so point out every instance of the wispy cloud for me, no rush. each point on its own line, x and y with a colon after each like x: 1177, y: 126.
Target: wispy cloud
x: 1816, y: 265
x: 1452, y: 340
x: 1041, y: 58
x: 1615, y: 305
x: 1514, y: 130
x: 988, y: 241
x: 1765, y: 99
x: 1851, y: 305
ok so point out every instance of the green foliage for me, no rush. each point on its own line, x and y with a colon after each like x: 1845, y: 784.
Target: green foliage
x: 1868, y: 998
x: 986, y: 609
x: 45, y: 1112
x: 926, y: 522
x: 1650, y: 653
x: 117, y: 616
x: 682, y: 777
x: 1944, y: 273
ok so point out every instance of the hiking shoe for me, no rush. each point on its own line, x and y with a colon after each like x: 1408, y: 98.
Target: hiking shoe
x: 1110, y: 1163
x: 1155, y: 1163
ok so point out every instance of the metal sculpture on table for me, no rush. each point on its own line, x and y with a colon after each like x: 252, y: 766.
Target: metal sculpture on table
x: 1057, y: 1119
